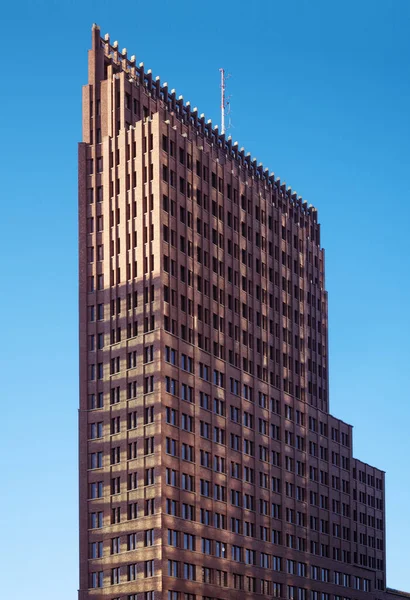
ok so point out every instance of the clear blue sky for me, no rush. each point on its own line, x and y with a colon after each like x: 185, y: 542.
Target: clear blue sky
x: 321, y: 95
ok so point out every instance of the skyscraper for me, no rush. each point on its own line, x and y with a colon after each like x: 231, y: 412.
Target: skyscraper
x: 210, y: 465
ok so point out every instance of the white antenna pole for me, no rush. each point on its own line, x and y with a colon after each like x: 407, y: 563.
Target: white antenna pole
x: 222, y: 100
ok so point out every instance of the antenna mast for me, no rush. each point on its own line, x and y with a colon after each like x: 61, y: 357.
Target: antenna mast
x: 222, y: 71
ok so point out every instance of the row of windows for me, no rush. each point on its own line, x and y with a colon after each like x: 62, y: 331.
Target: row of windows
x: 368, y: 479
x: 166, y: 204
x: 131, y: 358
x: 368, y: 499
x: 291, y: 365
x: 132, y: 328
x: 263, y: 426
x: 218, y: 520
x: 248, y: 475
x: 187, y: 362
x: 247, y: 340
x: 218, y: 435
x: 202, y: 228
x: 247, y: 420
x: 96, y: 488
x: 95, y: 459
x: 169, y: 236
x: 96, y: 519
x: 267, y: 561
x: 248, y: 447
x: 187, y: 482
x: 219, y: 549
x: 186, y: 158
x: 121, y: 574
x: 274, y: 405
x: 170, y: 266
x: 131, y: 273
x: 130, y: 542
x: 260, y: 586
x: 247, y: 365
x: 230, y: 191
x: 233, y: 222
x: 246, y: 500
x: 272, y: 510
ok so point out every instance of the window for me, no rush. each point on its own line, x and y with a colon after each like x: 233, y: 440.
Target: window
x: 205, y: 430
x: 148, y: 384
x: 149, y: 445
x: 205, y: 487
x: 170, y: 355
x: 204, y: 371
x: 96, y: 430
x: 149, y: 415
x: 173, y: 537
x: 172, y: 507
x: 171, y: 416
x: 187, y: 422
x: 187, y: 363
x: 187, y: 393
x: 171, y: 386
x: 218, y: 378
x: 95, y: 460
x: 189, y: 571
x: 148, y: 354
x: 206, y: 546
x: 115, y: 575
x: 220, y: 549
x: 96, y: 550
x: 173, y: 568
x: 171, y: 477
x: 149, y: 476
x: 132, y: 572
x: 188, y: 482
x: 96, y: 520
x: 188, y: 512
x: 204, y: 401
x: 171, y: 446
x: 149, y: 568
x: 187, y: 452
x: 189, y: 542
x: 97, y: 579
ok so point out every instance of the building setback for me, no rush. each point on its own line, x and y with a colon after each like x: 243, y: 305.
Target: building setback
x: 392, y: 594
x: 210, y: 466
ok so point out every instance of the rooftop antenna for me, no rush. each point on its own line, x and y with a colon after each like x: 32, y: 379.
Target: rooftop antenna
x: 224, y: 101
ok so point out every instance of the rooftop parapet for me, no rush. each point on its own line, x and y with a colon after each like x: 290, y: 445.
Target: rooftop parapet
x: 183, y: 111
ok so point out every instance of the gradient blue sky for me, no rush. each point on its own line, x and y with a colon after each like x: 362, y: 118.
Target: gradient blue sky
x: 320, y: 93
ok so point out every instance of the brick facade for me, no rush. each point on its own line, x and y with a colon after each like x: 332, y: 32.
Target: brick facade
x: 210, y: 465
